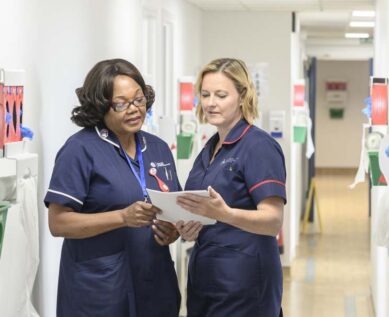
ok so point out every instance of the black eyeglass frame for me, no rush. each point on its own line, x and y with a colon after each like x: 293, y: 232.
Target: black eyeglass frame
x: 123, y: 106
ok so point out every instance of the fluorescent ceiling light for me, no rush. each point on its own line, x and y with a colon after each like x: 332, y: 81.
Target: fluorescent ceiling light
x: 362, y: 24
x: 359, y: 13
x: 356, y: 35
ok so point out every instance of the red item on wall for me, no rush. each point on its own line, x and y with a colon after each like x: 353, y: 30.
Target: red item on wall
x: 2, y: 116
x: 336, y: 85
x: 379, y: 104
x: 298, y: 95
x: 12, y: 104
x: 382, y: 180
x: 186, y: 96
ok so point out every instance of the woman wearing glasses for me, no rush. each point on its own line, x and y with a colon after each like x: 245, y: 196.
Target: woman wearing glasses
x: 115, y: 257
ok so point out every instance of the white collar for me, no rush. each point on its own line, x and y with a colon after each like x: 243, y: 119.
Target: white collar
x: 104, y: 134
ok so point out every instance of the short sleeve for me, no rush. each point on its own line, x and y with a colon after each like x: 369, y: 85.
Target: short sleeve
x: 264, y: 171
x: 69, y: 182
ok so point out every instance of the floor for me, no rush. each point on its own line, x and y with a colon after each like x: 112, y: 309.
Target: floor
x: 330, y: 274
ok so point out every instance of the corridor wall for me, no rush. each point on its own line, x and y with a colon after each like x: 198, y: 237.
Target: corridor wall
x: 253, y: 43
x: 379, y: 255
x: 57, y: 43
x: 333, y: 135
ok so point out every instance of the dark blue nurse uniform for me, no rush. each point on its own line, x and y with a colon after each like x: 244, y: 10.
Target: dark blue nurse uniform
x: 233, y: 272
x: 123, y: 272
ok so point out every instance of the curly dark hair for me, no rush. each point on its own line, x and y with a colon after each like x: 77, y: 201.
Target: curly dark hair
x: 95, y: 95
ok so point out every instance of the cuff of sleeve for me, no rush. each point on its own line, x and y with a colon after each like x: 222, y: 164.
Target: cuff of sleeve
x: 268, y: 189
x: 62, y: 199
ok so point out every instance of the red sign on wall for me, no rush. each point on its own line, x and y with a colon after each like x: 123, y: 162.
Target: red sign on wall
x: 336, y: 85
x: 2, y: 116
x: 186, y: 96
x: 298, y: 95
x: 11, y: 114
x: 379, y: 104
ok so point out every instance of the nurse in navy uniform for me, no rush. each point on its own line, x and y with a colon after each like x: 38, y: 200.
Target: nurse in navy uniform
x: 115, y: 257
x: 234, y: 268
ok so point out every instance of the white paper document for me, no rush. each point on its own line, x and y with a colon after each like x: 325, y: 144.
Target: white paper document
x: 172, y: 212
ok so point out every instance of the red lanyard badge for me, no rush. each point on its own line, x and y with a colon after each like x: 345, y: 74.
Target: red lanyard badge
x: 162, y: 186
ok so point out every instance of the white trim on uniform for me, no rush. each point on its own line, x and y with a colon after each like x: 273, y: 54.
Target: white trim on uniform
x: 105, y: 139
x: 66, y: 195
x: 144, y: 143
x: 117, y: 145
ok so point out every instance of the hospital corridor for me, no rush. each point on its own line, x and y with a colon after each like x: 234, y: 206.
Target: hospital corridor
x: 330, y: 275
x: 194, y: 158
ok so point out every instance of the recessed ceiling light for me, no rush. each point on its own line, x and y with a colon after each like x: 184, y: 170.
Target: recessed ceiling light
x: 360, y: 13
x: 362, y: 24
x: 356, y: 35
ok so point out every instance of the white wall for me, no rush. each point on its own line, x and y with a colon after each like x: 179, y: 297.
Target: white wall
x: 339, y: 49
x: 297, y: 155
x: 189, y: 39
x: 379, y: 255
x: 337, y: 142
x: 72, y: 41
x: 253, y: 42
x: 57, y: 43
x: 258, y: 37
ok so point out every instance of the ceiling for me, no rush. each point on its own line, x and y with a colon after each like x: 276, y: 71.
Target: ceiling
x: 319, y: 19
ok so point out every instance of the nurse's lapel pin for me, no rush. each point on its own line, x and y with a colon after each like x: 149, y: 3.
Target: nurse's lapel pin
x: 104, y: 133
x: 162, y: 186
x: 167, y: 174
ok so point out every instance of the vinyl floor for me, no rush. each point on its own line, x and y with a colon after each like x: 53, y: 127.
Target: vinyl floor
x: 330, y: 275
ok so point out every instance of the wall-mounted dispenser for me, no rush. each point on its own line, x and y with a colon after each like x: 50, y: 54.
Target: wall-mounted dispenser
x: 4, y: 205
x: 299, y: 112
x: 20, y: 234
x: 299, y: 128
x: 188, y: 122
x: 277, y: 124
x: 373, y: 141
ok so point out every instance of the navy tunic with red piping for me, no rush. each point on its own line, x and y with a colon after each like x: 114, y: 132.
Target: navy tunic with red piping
x: 233, y: 272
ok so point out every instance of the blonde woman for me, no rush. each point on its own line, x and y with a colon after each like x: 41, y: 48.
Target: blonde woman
x: 235, y: 268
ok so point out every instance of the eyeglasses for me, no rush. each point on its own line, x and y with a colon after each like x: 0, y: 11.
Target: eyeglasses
x: 122, y: 106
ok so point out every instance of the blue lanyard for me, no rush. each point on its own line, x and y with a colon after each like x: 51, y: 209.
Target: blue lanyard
x: 141, y: 180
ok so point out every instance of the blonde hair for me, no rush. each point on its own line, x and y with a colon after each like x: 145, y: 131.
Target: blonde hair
x: 236, y: 70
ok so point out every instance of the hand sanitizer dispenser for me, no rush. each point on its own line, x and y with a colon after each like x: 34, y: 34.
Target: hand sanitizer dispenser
x: 276, y: 124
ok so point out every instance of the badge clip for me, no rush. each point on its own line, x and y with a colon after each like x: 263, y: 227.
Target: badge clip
x: 162, y: 186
